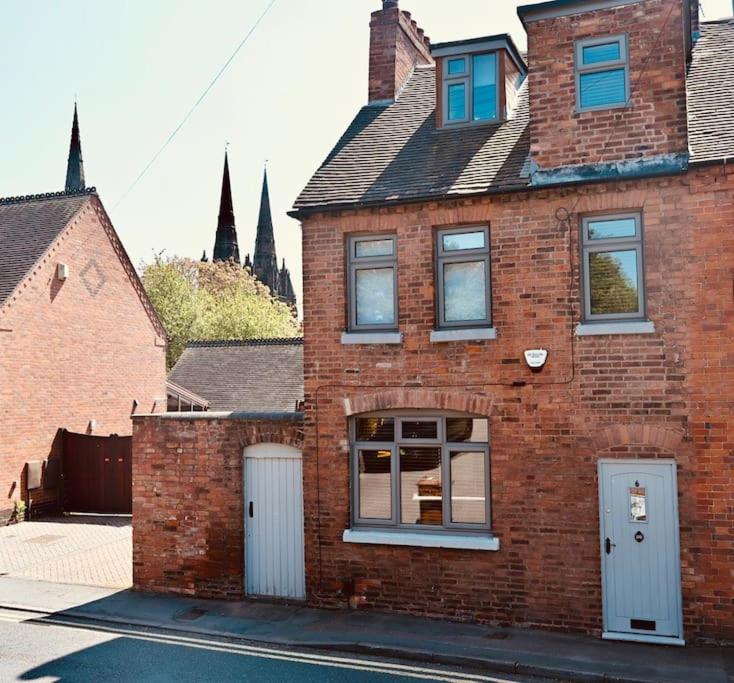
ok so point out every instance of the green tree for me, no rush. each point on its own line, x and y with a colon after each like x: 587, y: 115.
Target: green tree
x: 613, y: 289
x: 220, y: 300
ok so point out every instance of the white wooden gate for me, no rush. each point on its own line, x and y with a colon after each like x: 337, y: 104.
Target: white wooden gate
x: 274, y: 563
x: 640, y: 551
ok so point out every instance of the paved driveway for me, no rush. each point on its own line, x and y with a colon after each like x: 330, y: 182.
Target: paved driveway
x: 94, y: 551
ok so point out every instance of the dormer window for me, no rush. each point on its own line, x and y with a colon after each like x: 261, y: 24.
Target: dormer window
x: 470, y: 92
x: 602, y: 73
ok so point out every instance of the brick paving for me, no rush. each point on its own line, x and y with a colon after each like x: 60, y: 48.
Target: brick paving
x: 93, y: 551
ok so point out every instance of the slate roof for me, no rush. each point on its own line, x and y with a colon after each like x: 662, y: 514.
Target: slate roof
x: 394, y: 153
x: 254, y: 375
x: 711, y: 93
x: 28, y: 227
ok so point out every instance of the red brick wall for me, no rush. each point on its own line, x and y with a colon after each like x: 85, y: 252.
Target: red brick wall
x: 397, y: 45
x: 188, y: 504
x: 654, y: 122
x: 70, y: 354
x: 664, y: 394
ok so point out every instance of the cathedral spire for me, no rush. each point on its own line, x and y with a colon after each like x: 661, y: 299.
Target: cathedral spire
x: 225, y: 245
x: 75, y: 165
x: 265, y: 261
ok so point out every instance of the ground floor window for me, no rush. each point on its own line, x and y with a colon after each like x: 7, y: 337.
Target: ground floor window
x: 420, y: 471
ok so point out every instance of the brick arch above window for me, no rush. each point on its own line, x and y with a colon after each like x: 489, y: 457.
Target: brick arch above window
x: 287, y: 434
x: 611, y: 201
x: 626, y: 434
x: 419, y: 399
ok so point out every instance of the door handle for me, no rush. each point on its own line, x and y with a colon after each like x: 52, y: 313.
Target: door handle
x: 608, y: 545
x: 252, y: 509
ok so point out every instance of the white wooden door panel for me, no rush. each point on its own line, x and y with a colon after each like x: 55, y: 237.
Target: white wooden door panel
x: 274, y: 559
x: 640, y: 548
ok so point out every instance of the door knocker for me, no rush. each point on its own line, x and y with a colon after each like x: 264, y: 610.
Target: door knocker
x: 639, y: 537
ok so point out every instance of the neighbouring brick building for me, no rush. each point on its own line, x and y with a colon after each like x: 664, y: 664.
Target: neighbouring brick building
x: 578, y: 201
x: 79, y: 341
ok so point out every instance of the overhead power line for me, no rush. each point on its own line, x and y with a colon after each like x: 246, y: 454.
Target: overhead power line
x: 196, y: 104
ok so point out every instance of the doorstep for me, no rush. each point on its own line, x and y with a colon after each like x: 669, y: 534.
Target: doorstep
x: 522, y: 651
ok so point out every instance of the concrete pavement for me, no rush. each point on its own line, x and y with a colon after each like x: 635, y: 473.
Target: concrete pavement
x: 513, y: 651
x: 79, y: 549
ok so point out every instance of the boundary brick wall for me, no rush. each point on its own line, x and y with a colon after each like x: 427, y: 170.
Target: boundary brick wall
x: 71, y: 353
x: 188, y: 500
x: 667, y: 394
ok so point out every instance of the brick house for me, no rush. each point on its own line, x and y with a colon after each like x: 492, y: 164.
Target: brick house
x: 80, y: 343
x: 575, y: 204
x: 517, y: 310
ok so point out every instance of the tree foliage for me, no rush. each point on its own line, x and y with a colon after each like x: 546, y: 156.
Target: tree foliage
x: 220, y: 300
x: 612, y: 289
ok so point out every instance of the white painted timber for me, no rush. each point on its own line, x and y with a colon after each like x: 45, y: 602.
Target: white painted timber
x: 641, y: 585
x: 274, y: 559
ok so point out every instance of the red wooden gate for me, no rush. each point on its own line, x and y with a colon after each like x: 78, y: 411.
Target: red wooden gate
x: 97, y: 473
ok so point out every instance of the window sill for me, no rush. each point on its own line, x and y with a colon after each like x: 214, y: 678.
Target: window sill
x: 595, y: 329
x: 473, y: 334
x: 491, y: 543
x: 372, y: 337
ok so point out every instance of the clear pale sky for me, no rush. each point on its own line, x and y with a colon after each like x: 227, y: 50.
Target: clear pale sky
x: 137, y: 66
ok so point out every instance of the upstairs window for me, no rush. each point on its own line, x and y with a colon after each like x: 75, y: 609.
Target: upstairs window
x: 613, y: 268
x: 470, y: 91
x: 372, y: 283
x: 602, y: 73
x: 462, y: 274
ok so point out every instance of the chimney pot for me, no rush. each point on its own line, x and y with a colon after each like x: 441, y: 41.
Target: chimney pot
x: 389, y: 4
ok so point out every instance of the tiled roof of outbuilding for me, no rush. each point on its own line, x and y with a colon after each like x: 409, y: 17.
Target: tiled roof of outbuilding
x: 711, y: 93
x: 254, y: 375
x: 394, y: 153
x: 28, y: 227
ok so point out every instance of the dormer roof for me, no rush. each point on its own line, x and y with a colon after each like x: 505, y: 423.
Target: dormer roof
x: 393, y: 154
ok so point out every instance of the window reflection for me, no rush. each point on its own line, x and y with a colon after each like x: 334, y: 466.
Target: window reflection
x: 638, y: 504
x: 420, y: 486
x: 468, y: 502
x: 375, y: 500
x: 375, y: 296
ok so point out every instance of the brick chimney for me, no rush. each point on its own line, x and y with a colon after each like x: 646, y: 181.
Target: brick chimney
x: 397, y: 45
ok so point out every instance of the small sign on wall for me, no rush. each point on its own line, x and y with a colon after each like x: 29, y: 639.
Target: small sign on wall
x: 535, y: 358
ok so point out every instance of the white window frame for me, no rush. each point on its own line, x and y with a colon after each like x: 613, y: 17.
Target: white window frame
x: 466, y: 77
x: 356, y: 263
x: 582, y: 69
x: 394, y: 523
x: 590, y: 246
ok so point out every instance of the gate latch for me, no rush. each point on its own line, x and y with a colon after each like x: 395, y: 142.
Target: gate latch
x: 252, y: 509
x: 608, y: 545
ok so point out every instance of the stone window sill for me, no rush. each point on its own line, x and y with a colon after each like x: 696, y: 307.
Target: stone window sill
x: 372, y: 338
x: 594, y: 329
x: 473, y: 334
x: 467, y: 542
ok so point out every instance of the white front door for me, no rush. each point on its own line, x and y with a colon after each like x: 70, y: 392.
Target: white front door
x: 640, y: 550
x: 274, y: 563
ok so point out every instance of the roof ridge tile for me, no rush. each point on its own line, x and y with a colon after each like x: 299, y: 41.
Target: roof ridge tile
x: 273, y: 341
x: 47, y: 195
